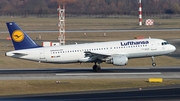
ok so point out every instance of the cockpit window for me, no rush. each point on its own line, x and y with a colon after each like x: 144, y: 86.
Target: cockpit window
x: 165, y: 43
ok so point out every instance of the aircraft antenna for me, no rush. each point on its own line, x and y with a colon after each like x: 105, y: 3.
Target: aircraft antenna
x: 61, y: 25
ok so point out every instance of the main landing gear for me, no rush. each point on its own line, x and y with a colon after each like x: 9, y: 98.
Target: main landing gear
x: 153, y: 63
x: 96, y: 67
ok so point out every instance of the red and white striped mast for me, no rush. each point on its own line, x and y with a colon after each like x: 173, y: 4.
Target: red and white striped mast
x: 140, y: 13
x: 61, y: 25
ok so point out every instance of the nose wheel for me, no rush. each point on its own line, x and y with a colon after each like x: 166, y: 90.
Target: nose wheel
x: 153, y: 63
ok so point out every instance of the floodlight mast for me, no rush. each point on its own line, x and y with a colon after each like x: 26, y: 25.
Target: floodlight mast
x: 140, y: 13
x: 61, y: 25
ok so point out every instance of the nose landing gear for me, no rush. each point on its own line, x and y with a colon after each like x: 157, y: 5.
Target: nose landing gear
x: 153, y: 63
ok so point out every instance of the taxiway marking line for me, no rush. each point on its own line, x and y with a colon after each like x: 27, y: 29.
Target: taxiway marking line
x: 93, y: 74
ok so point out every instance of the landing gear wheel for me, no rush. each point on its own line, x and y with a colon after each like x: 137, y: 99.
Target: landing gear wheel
x: 154, y: 64
x: 96, y: 68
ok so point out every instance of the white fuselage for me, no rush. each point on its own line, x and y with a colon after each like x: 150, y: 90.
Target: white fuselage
x: 76, y: 53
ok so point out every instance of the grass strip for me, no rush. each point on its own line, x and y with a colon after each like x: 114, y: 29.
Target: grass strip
x: 20, y: 87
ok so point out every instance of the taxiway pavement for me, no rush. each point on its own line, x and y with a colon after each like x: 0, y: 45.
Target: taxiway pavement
x: 87, y: 73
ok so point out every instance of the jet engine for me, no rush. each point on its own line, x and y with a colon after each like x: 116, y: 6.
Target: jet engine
x: 119, y: 60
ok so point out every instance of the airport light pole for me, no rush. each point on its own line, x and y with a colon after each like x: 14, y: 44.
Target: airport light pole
x: 61, y: 25
x: 140, y: 13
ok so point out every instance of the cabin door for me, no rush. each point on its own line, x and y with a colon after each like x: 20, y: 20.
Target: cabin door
x: 153, y: 45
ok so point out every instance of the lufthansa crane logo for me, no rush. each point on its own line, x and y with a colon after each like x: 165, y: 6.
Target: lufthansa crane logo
x: 18, y: 36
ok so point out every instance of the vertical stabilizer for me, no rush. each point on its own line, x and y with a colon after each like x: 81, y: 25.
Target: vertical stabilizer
x: 19, y: 38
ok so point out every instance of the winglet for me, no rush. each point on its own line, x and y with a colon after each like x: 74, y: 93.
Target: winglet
x: 19, y: 38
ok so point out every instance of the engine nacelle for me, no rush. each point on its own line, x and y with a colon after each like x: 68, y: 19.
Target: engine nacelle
x: 119, y: 60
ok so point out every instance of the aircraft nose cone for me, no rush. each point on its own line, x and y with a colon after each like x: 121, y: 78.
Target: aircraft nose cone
x: 173, y: 48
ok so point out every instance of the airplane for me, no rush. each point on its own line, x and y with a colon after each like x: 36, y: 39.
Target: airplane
x: 113, y: 52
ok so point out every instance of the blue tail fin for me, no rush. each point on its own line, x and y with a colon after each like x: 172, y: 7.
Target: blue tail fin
x: 19, y: 38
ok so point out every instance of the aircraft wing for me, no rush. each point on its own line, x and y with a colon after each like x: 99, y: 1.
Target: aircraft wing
x: 94, y: 53
x: 93, y: 56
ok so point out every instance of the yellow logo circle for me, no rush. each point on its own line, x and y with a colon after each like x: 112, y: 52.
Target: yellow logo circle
x: 18, y: 36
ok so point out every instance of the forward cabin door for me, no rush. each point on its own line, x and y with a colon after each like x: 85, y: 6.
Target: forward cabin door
x: 153, y: 45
